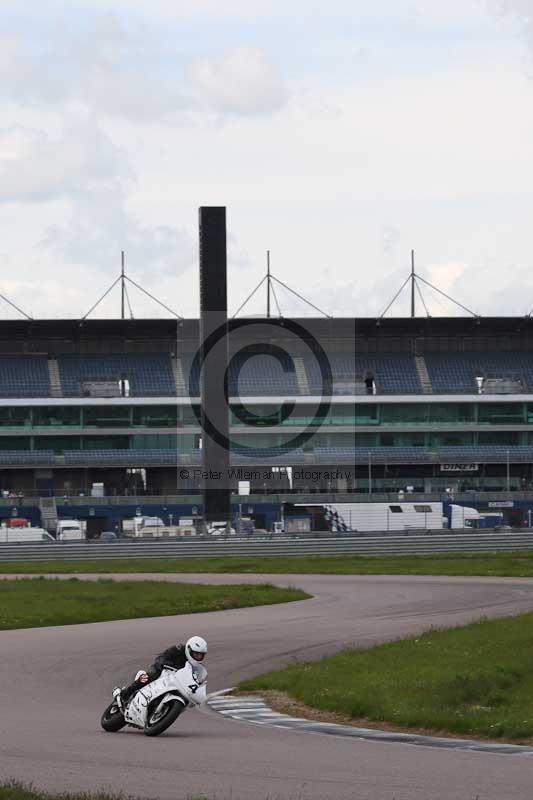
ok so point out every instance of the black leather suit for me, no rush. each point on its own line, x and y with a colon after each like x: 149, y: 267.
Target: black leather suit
x: 174, y: 656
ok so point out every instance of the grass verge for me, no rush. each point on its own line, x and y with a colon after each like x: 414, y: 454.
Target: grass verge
x: 19, y: 791
x: 474, y: 680
x: 35, y: 602
x: 516, y: 565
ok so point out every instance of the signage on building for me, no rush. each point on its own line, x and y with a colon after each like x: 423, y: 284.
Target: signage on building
x: 501, y: 503
x: 459, y: 467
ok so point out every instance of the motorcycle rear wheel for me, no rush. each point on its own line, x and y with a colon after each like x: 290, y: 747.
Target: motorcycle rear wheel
x: 172, y: 712
x: 112, y: 719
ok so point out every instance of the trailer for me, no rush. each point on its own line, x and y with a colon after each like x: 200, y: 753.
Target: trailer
x: 346, y: 517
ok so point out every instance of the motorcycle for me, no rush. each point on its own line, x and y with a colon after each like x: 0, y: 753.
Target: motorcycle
x: 157, y: 705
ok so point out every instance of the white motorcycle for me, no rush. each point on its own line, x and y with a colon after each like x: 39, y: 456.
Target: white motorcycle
x: 157, y: 705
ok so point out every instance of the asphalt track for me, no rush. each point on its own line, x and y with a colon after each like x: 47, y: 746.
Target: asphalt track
x: 54, y: 683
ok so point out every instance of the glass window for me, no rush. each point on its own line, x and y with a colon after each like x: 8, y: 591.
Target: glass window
x: 15, y: 417
x: 362, y: 414
x: 449, y: 413
x: 106, y: 442
x: 450, y: 439
x: 56, y: 416
x: 408, y: 439
x: 56, y: 443
x: 499, y: 437
x: 15, y: 443
x: 403, y: 413
x: 155, y: 441
x: 501, y: 413
x: 189, y: 417
x: 187, y: 442
x: 155, y: 416
x: 427, y: 413
x: 106, y: 417
x: 366, y: 440
x: 346, y: 415
x: 263, y: 416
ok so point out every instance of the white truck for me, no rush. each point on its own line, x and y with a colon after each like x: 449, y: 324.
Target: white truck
x: 464, y: 517
x: 70, y: 530
x: 220, y: 529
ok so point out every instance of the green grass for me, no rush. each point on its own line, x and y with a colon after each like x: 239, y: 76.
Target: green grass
x: 19, y: 791
x: 501, y: 564
x: 35, y: 602
x: 475, y: 680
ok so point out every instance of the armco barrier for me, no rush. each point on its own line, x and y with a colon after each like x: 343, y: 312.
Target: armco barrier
x: 386, y: 545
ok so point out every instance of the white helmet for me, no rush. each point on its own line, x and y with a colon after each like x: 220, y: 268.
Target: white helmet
x: 195, y: 650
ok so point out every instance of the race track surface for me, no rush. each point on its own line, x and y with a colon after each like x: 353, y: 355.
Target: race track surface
x: 55, y: 682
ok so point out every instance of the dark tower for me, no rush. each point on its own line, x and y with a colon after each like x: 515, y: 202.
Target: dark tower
x: 214, y: 350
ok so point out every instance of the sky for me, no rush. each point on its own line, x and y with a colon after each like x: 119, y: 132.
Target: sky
x: 339, y: 135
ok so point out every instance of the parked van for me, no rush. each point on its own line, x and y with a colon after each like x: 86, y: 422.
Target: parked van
x: 17, y: 535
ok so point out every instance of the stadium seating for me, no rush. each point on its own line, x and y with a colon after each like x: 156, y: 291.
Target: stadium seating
x: 464, y: 454
x: 26, y: 457
x: 456, y: 372
x: 261, y: 375
x: 393, y: 373
x: 24, y: 376
x: 149, y: 375
x: 152, y: 457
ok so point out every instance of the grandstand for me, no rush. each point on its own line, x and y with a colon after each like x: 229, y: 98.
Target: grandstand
x: 430, y: 404
x: 117, y: 402
x: 444, y: 404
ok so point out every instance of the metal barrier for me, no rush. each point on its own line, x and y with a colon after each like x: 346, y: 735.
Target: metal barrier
x: 428, y: 543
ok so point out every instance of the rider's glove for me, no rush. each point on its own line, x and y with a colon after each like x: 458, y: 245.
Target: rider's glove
x: 142, y: 677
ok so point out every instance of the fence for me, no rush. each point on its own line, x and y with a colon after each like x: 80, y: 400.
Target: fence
x: 427, y: 543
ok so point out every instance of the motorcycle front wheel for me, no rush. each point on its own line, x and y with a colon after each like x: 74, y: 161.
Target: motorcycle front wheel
x: 112, y: 719
x: 157, y: 723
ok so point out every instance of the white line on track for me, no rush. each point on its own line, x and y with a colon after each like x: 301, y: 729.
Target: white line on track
x: 254, y: 710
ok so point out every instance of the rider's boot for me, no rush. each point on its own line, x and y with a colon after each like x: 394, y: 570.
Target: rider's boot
x: 118, y: 696
x: 125, y: 693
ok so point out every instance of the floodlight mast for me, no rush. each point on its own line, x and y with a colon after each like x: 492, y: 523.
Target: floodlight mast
x: 415, y: 281
x: 124, y: 279
x: 269, y: 278
x: 413, y: 312
x: 268, y: 284
x: 122, y: 285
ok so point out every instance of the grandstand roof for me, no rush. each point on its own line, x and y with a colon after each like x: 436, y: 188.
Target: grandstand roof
x: 443, y: 326
x: 148, y: 335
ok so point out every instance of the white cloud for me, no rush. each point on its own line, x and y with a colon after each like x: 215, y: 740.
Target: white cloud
x: 110, y: 142
x: 98, y: 226
x: 520, y: 11
x: 240, y: 81
x: 106, y: 68
x: 34, y: 167
x: 118, y: 71
x: 91, y: 177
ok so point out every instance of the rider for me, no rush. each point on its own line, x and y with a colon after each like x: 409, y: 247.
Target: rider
x: 193, y: 651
